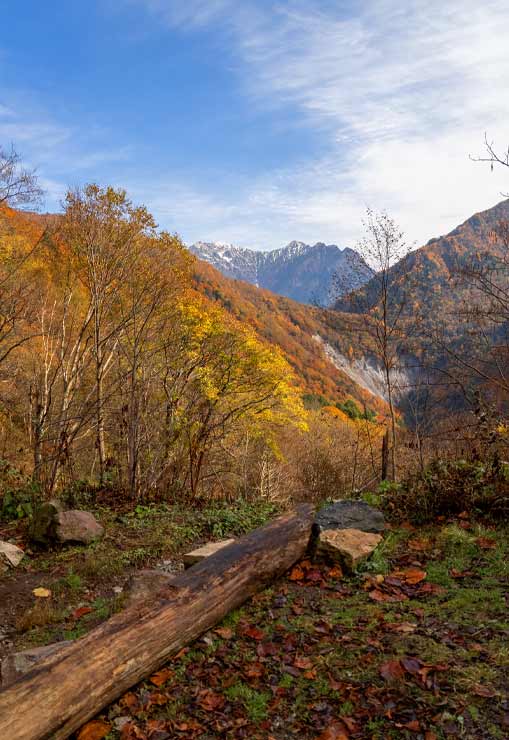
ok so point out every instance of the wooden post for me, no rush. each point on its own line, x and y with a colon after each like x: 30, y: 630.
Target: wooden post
x: 64, y: 691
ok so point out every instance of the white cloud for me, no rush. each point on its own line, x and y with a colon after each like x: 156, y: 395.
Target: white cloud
x: 402, y: 94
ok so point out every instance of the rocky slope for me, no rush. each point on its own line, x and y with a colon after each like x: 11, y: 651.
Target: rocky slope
x: 310, y: 274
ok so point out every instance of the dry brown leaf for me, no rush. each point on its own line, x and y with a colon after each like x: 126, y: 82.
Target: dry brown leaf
x: 225, y: 632
x: 486, y: 543
x: 94, y: 730
x: 412, y: 576
x: 160, y: 678
x: 210, y: 701
x: 392, y: 670
x: 296, y: 574
x: 335, y: 731
x: 303, y: 663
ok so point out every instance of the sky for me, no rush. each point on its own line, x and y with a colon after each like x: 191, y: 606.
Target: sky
x: 261, y: 121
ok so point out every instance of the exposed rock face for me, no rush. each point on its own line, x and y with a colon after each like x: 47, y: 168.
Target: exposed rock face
x: 10, y: 555
x: 15, y: 665
x: 51, y: 524
x: 349, y: 514
x: 195, y: 556
x: 300, y: 271
x: 349, y: 547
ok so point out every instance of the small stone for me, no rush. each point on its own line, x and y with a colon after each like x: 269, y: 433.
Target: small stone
x: 196, y: 556
x: 10, y: 554
x: 17, y: 664
x: 349, y: 514
x: 347, y: 546
x: 117, y: 589
x: 78, y: 526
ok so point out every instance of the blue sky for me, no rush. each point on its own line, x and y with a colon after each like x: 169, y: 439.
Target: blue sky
x: 256, y: 121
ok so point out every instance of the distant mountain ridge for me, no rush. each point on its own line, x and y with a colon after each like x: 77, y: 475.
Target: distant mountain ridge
x: 304, y: 272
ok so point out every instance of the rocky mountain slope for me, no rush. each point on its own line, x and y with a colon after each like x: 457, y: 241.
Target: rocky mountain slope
x: 309, y: 274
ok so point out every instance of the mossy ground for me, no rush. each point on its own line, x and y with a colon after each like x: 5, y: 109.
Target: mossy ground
x: 365, y: 656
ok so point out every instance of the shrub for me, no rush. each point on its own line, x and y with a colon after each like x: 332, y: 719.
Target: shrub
x: 447, y: 488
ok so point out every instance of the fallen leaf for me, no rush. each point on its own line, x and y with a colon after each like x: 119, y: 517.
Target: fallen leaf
x: 412, y: 576
x: 41, y: 593
x: 392, y: 670
x: 253, y: 632
x: 419, y: 545
x: 130, y: 731
x: 225, y: 632
x: 486, y: 543
x: 77, y: 613
x: 156, y: 699
x: 480, y: 690
x: 160, y: 678
x: 210, y: 701
x: 296, y: 574
x: 254, y: 670
x: 412, y: 665
x: 405, y: 628
x: 335, y: 572
x: 130, y: 701
x: 335, y: 731
x: 310, y: 675
x: 304, y: 663
x: 94, y: 730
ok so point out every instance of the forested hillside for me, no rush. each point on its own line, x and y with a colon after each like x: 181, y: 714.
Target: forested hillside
x: 128, y: 363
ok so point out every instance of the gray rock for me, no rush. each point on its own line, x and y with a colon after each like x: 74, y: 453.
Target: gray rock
x: 17, y: 664
x: 349, y: 514
x: 44, y: 523
x: 11, y: 555
x: 51, y: 525
x: 77, y: 526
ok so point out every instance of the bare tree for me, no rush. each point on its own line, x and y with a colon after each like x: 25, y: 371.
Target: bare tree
x: 384, y: 328
x: 18, y: 185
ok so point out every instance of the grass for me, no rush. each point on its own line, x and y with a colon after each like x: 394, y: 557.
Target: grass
x: 458, y: 632
x: 254, y: 702
x: 86, y: 576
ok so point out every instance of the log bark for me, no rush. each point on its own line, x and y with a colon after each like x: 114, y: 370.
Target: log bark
x: 67, y: 689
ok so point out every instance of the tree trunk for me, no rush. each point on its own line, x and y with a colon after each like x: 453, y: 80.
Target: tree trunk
x: 385, y: 455
x: 66, y: 690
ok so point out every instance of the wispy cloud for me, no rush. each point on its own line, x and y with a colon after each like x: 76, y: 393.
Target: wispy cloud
x: 72, y: 154
x: 401, y: 93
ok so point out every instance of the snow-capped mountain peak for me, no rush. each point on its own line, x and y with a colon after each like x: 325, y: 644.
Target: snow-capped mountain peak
x: 300, y: 271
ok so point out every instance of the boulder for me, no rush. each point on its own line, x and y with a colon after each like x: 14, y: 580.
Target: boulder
x: 10, y: 555
x: 349, y: 514
x: 52, y: 524
x: 349, y: 547
x: 15, y: 665
x: 78, y: 526
x: 44, y: 523
x: 196, y: 556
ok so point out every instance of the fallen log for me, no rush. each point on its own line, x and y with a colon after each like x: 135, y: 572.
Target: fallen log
x: 67, y: 689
